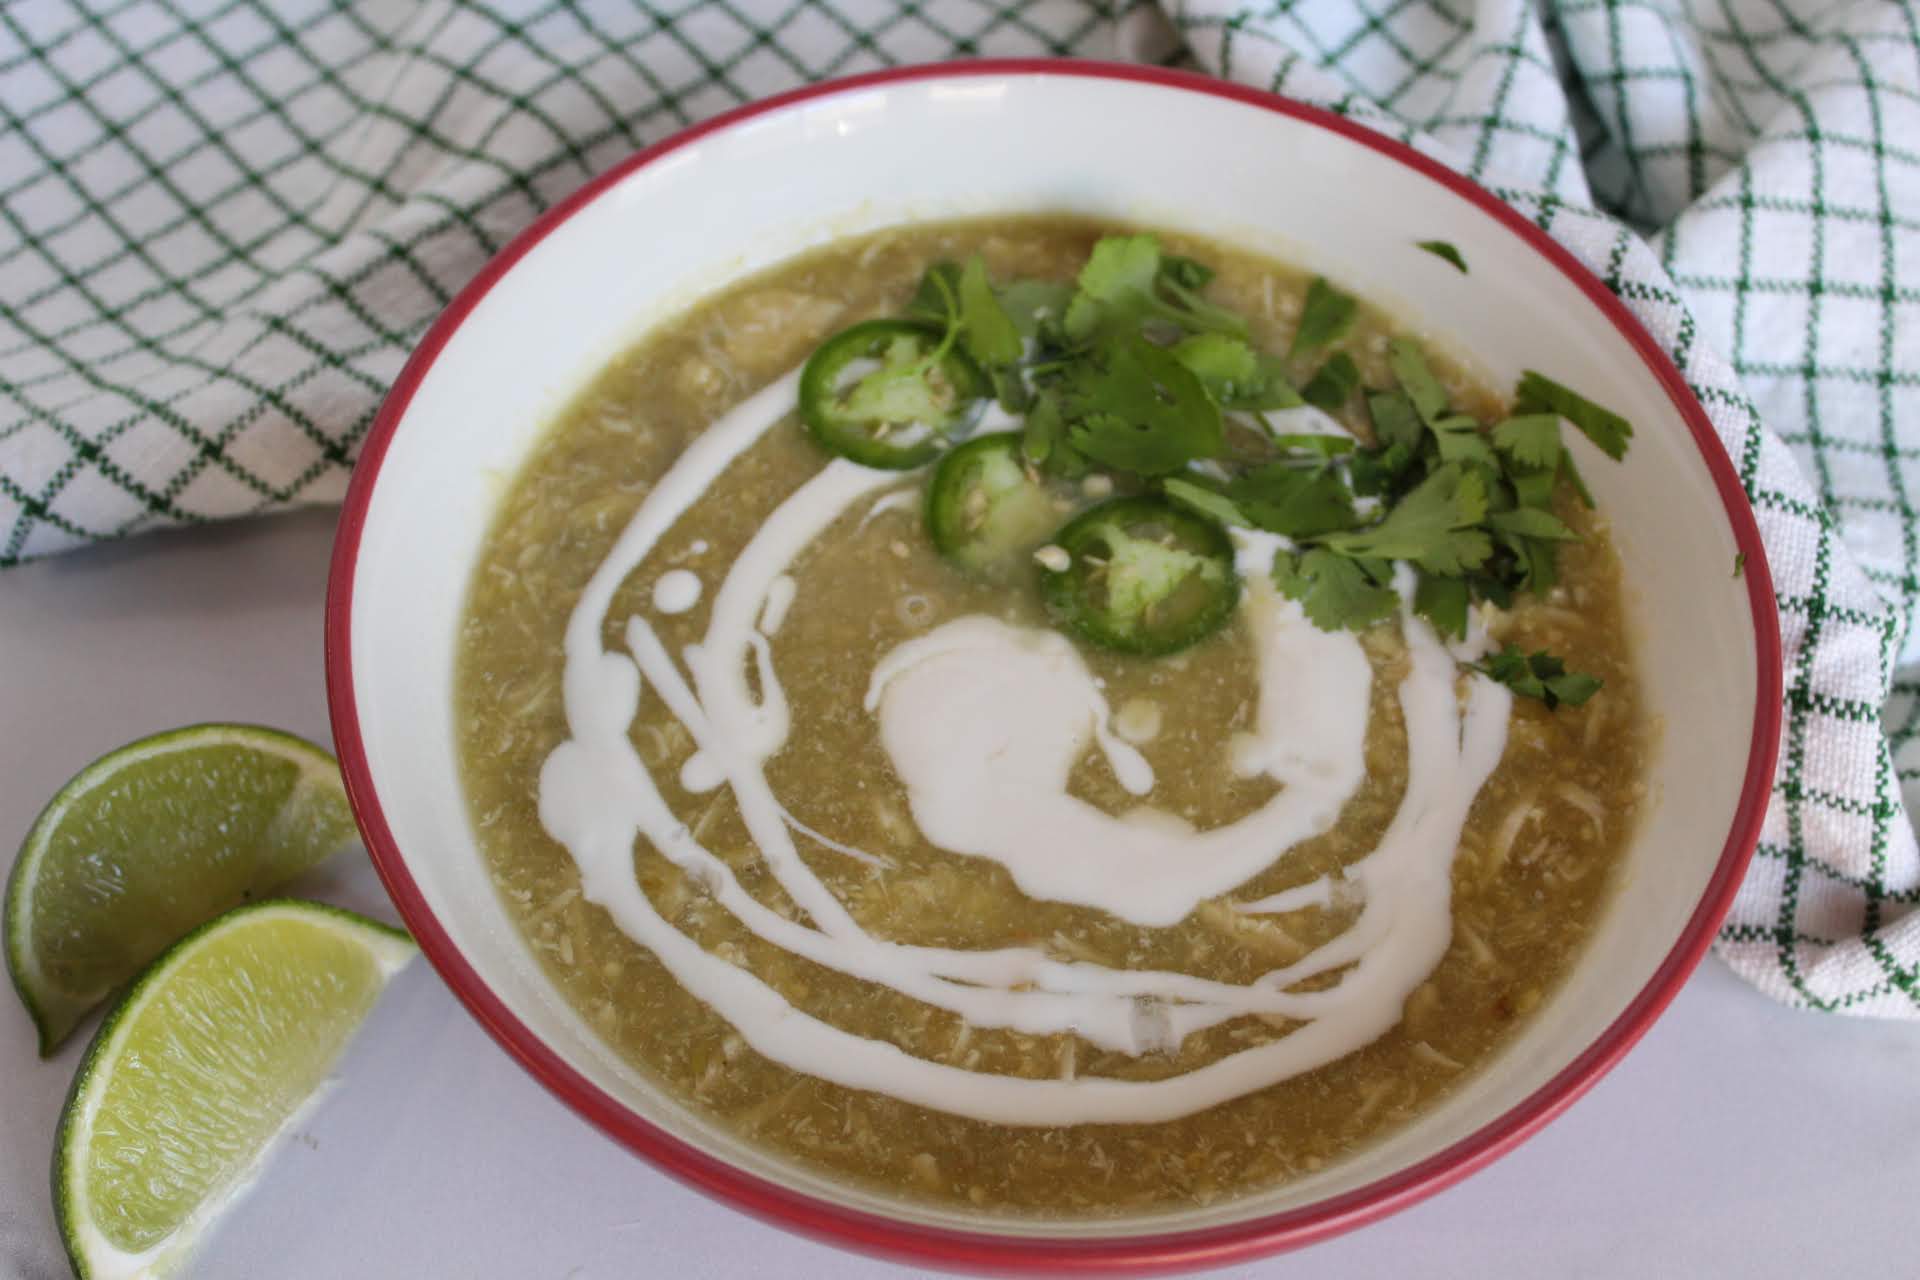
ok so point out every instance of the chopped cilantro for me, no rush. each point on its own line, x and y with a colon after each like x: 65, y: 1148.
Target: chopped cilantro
x: 1120, y: 289
x: 1409, y: 364
x: 1118, y: 278
x: 1135, y: 407
x: 1531, y: 522
x: 1443, y: 602
x: 1318, y: 445
x: 1441, y: 249
x: 1026, y: 302
x: 1574, y: 478
x: 1539, y: 675
x: 1336, y: 593
x: 1530, y: 564
x: 1045, y: 431
x: 1604, y: 427
x: 1434, y: 526
x: 988, y: 333
x: 1292, y: 501
x: 1130, y: 369
x: 1221, y: 362
x: 1377, y: 472
x: 1739, y: 564
x: 1327, y: 317
x: 1208, y: 502
x: 1269, y: 389
x: 1193, y: 311
x: 1336, y: 381
x: 937, y: 300
x: 1185, y: 272
x: 1459, y: 439
x: 1394, y: 419
x: 1532, y: 488
x: 1530, y: 440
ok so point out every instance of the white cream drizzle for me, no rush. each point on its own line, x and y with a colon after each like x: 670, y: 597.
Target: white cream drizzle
x: 983, y: 721
x: 903, y: 499
x: 779, y: 600
x: 677, y: 591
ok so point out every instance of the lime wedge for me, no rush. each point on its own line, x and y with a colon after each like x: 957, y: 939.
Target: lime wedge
x: 149, y: 842
x: 215, y: 1049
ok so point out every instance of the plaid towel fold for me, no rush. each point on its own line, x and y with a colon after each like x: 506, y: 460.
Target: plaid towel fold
x: 224, y: 223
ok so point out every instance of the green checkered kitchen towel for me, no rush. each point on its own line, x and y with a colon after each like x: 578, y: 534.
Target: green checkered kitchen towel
x: 223, y: 223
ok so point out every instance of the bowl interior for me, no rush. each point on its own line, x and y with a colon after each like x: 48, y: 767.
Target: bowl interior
x: 741, y: 198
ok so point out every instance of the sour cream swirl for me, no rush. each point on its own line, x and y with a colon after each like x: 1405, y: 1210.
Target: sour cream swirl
x: 983, y: 722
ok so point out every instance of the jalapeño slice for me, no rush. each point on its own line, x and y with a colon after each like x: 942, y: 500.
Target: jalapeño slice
x: 986, y: 509
x: 1141, y: 576
x: 885, y: 393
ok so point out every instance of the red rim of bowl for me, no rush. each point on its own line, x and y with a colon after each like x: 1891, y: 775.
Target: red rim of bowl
x: 986, y: 1250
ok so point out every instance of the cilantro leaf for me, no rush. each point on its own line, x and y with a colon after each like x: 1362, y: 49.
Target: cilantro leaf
x: 1135, y: 407
x: 1185, y: 272
x: 987, y: 332
x: 1325, y: 319
x: 1208, y: 502
x: 1532, y: 488
x: 1330, y: 387
x: 1319, y: 445
x: 1026, y: 301
x: 1118, y: 290
x: 1119, y: 275
x: 1269, y: 389
x: 1604, y: 427
x: 1045, y: 440
x: 1294, y: 502
x: 1443, y: 602
x: 1222, y: 363
x: 1336, y: 593
x: 1410, y: 369
x: 1394, y: 419
x: 1531, y: 522
x: 1535, y: 564
x: 1191, y: 310
x: 1234, y: 374
x: 1380, y: 471
x: 937, y: 299
x: 1530, y: 440
x: 1574, y: 478
x: 1441, y: 249
x: 1459, y: 440
x: 1539, y: 675
x: 1434, y: 526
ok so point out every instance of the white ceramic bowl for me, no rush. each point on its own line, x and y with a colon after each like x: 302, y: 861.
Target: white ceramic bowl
x: 750, y: 189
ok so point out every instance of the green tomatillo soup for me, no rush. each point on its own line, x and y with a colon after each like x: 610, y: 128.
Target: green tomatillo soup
x: 1052, y: 718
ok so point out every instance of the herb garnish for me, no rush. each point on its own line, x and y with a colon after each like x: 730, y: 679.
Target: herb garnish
x: 1441, y: 249
x: 1539, y: 675
x: 1604, y: 427
x: 1131, y: 370
x: 1327, y: 317
x: 1329, y: 388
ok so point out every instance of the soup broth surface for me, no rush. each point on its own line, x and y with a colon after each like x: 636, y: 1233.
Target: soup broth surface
x: 1534, y: 860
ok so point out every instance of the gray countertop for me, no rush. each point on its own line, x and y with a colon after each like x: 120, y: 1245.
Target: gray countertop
x: 1740, y: 1138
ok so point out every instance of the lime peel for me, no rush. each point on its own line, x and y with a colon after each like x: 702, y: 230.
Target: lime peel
x: 153, y: 1058
x: 98, y: 888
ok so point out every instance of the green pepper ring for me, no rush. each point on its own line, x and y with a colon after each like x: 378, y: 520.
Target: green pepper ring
x: 952, y: 481
x: 849, y: 437
x: 1065, y: 592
